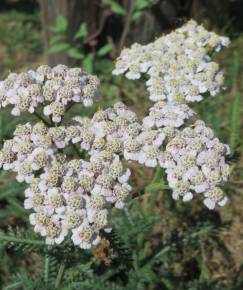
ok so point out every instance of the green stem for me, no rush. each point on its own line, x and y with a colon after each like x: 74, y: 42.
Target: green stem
x: 77, y: 151
x: 42, y: 119
x: 46, y: 269
x: 127, y: 24
x: 24, y: 241
x: 157, y: 175
x: 60, y: 275
x: 69, y: 107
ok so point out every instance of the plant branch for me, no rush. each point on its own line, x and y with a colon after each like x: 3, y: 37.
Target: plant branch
x: 93, y: 36
x: 128, y: 20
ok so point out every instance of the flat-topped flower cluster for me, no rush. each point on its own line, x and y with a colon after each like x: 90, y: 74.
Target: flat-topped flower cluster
x: 178, y: 65
x: 180, y: 71
x: 55, y: 88
x: 195, y: 163
x: 72, y: 194
x: 66, y: 194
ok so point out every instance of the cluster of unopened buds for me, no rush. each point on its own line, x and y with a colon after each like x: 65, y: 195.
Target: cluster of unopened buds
x: 74, y: 195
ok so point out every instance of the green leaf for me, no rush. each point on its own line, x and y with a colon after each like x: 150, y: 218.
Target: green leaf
x: 167, y: 201
x: 17, y: 208
x: 6, y: 213
x: 13, y: 286
x: 156, y: 187
x: 205, y: 273
x: 88, y: 63
x: 55, y: 39
x: 5, y: 237
x: 82, y: 31
x: 142, y: 4
x: 105, y: 49
x: 59, y: 47
x: 115, y: 7
x: 136, y: 15
x: 61, y: 25
x: 105, y: 65
x: 74, y: 53
x: 11, y: 191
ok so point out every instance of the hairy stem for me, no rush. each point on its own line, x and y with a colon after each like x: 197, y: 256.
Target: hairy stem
x: 60, y: 275
x: 46, y: 269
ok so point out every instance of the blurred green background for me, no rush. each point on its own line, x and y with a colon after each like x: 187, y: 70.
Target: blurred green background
x: 195, y: 248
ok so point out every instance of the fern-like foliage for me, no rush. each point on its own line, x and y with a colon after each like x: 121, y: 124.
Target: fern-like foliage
x: 22, y: 240
x: 136, y: 263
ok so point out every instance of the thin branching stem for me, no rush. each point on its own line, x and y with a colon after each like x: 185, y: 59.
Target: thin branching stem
x: 128, y: 20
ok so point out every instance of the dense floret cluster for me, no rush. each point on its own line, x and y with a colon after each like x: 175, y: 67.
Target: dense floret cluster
x: 195, y: 163
x: 66, y: 194
x: 167, y: 114
x: 178, y: 64
x: 180, y: 70
x: 73, y: 194
x: 54, y: 88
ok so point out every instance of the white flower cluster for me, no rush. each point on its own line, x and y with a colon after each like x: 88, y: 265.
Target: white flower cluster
x: 76, y: 196
x: 180, y: 71
x: 28, y: 151
x: 54, y: 88
x: 178, y: 64
x: 67, y: 195
x: 117, y: 131
x: 164, y: 114
x: 195, y: 163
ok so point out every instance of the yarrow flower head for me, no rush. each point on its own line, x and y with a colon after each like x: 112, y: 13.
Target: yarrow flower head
x: 72, y: 195
x: 167, y: 114
x: 178, y: 64
x: 195, y: 164
x: 55, y: 88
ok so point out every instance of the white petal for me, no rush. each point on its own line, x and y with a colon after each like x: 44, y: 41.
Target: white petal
x: 151, y: 162
x: 223, y: 201
x: 32, y: 218
x: 188, y: 196
x: 28, y: 203
x: 47, y: 111
x: 148, y: 121
x: 209, y: 203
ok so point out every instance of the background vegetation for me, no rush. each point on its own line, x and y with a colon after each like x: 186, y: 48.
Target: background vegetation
x: 157, y: 243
